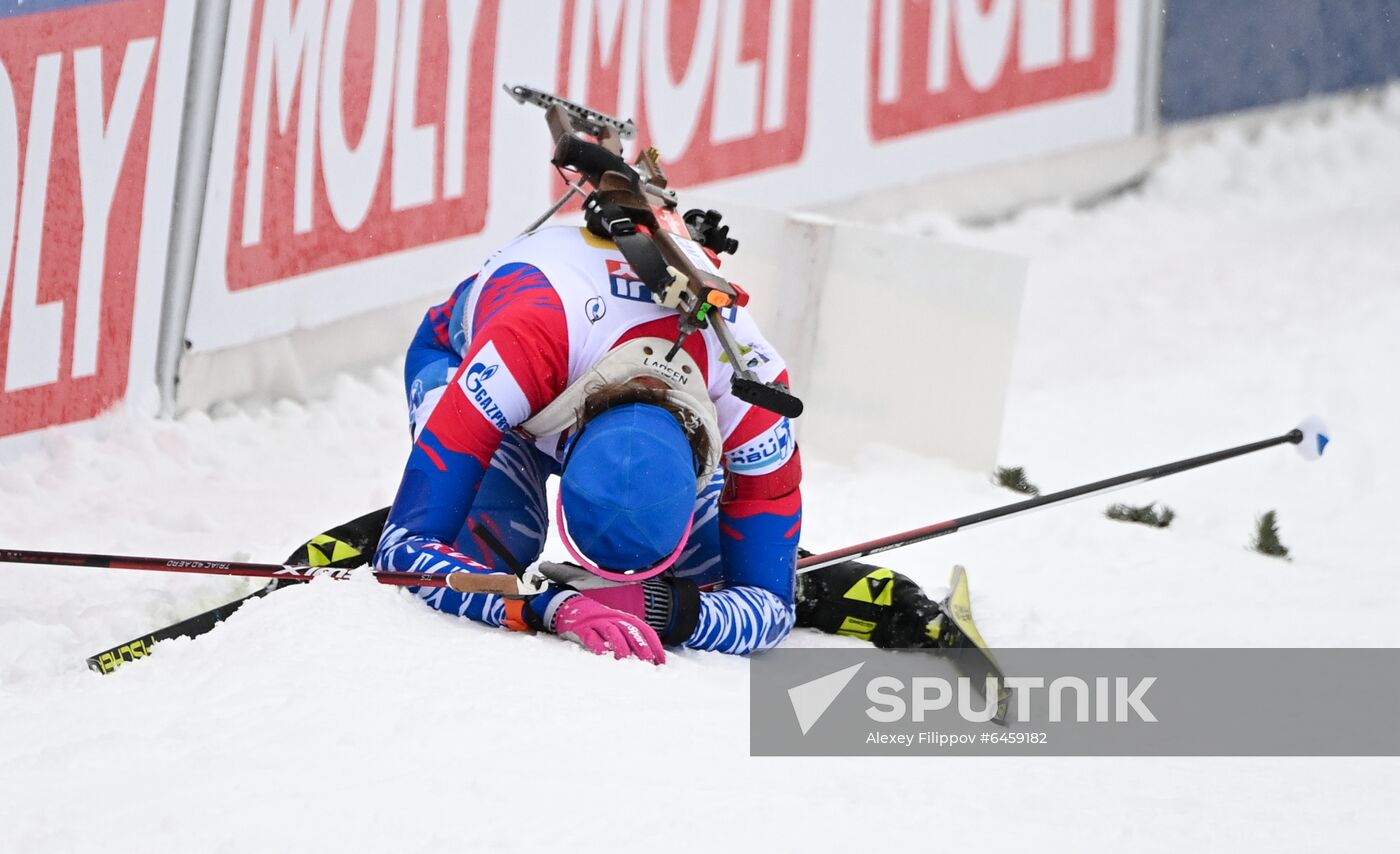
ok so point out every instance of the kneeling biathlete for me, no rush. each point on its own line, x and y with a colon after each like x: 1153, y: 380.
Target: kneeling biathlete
x: 552, y: 360
x: 679, y: 502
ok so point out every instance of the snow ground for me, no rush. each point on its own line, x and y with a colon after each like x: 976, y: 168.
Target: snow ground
x: 1249, y: 282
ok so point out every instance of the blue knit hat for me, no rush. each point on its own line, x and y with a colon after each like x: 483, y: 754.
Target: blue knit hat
x: 628, y: 491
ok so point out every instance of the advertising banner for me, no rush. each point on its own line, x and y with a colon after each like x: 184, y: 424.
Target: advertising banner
x: 721, y: 88
x: 365, y: 156
x: 345, y: 133
x: 91, y: 99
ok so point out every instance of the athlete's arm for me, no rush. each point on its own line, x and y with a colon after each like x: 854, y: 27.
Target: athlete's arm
x: 433, y: 358
x: 760, y: 523
x: 517, y: 362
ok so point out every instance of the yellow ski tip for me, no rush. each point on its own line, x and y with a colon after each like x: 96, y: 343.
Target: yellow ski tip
x: 960, y: 603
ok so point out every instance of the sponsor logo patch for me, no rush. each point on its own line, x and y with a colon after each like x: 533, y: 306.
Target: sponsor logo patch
x: 766, y: 452
x: 752, y: 354
x: 492, y: 389
x: 594, y: 309
x: 625, y: 283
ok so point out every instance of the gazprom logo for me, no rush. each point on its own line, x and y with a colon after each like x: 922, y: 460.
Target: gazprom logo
x: 492, y: 389
x: 479, y: 373
x: 475, y: 384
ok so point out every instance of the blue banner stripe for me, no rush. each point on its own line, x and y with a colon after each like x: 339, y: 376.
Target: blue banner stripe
x: 1224, y: 55
x: 15, y: 8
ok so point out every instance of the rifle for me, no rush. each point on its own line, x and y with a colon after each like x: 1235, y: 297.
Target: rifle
x: 675, y: 256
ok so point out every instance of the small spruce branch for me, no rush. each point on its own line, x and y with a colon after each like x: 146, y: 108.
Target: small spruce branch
x: 1266, y: 540
x: 1014, y: 479
x: 1147, y: 514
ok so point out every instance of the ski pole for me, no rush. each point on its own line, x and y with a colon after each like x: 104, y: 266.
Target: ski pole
x: 462, y: 582
x: 1310, y: 437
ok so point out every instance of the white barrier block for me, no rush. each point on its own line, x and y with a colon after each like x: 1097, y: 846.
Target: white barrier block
x: 888, y: 337
x: 913, y: 347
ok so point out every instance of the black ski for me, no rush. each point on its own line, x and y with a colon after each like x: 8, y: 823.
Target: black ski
x: 110, y: 659
x: 344, y: 546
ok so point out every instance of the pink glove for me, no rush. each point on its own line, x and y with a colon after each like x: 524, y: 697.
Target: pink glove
x: 598, y: 628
